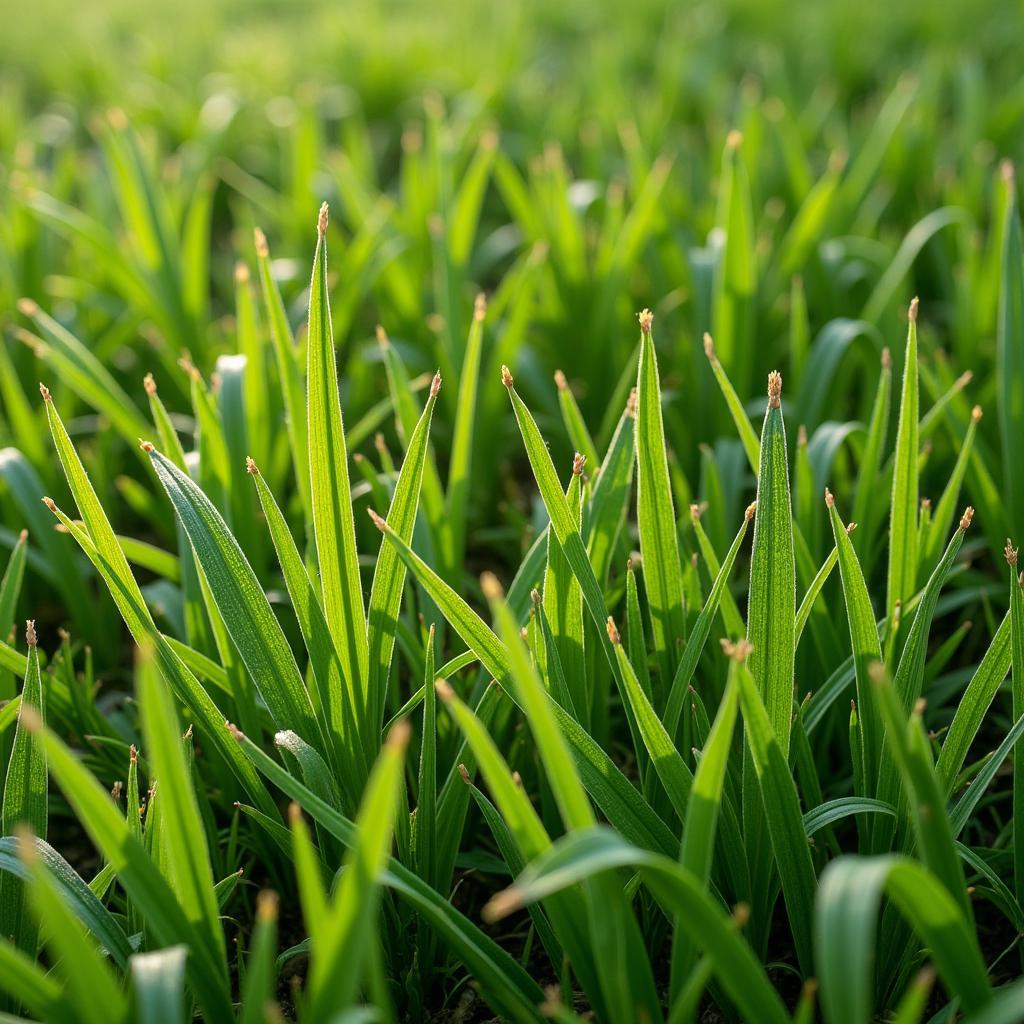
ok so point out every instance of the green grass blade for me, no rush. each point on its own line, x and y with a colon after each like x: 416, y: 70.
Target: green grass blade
x: 1017, y: 682
x: 656, y: 520
x: 25, y: 803
x: 253, y: 626
x: 334, y: 526
x: 771, y: 609
x: 188, y: 858
x: 902, y: 572
x: 1010, y: 364
x: 259, y: 983
x: 782, y: 813
x: 846, y: 921
x: 157, y: 982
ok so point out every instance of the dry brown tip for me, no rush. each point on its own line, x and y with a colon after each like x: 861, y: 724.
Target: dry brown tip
x: 912, y: 312
x: 774, y: 389
x: 801, y: 436
x: 464, y: 774
x: 535, y: 596
x: 1006, y: 171
x: 976, y: 413
x: 398, y: 737
x: 28, y: 307
x: 613, y: 632
x: 23, y: 536
x: 1010, y: 552
x: 30, y: 632
x: 631, y: 403
x: 709, y: 346
x: 236, y: 734
x: 250, y: 466
x: 926, y: 504
x: 577, y: 464
x: 501, y: 905
x: 741, y: 914
x: 560, y: 381
x: 919, y: 705
x: 886, y: 359
x: 50, y: 504
x: 382, y: 336
x: 435, y: 385
x: 506, y: 376
x: 321, y: 220
x: 734, y: 139
x: 266, y: 906
x: 379, y: 443
x: 44, y: 391
x: 378, y: 521
x: 146, y: 446
x: 491, y: 587
x: 241, y: 273
x: 260, y: 240
x: 963, y: 380
x: 149, y: 384
x: 965, y: 519
x: 695, y: 512
x: 850, y: 527
x: 479, y: 307
x: 517, y: 780
x: 443, y: 689
x: 524, y: 633
x: 748, y: 513
x: 646, y: 318
x: 133, y: 754
x: 830, y: 501
x: 738, y: 651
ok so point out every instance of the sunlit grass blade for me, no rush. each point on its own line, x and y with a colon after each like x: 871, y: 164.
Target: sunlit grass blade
x: 389, y: 574
x: 100, y: 545
x: 139, y: 875
x: 334, y: 526
x: 188, y: 858
x: 659, y: 545
x: 580, y: 855
x: 507, y: 987
x: 865, y: 507
x: 1017, y: 682
x: 610, y: 789
x: 254, y: 629
x: 902, y: 572
x: 846, y: 921
x: 25, y: 803
x: 782, y: 813
x: 771, y: 610
x: 88, y: 980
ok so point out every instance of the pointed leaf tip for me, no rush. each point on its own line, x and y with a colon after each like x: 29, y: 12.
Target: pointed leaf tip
x: 321, y: 221
x: 506, y: 376
x: 613, y: 632
x: 775, y: 389
x: 30, y: 632
x: 912, y: 311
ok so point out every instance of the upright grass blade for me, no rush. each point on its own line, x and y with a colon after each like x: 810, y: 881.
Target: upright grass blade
x: 188, y: 858
x: 25, y: 804
x: 845, y: 924
x: 656, y: 520
x: 457, y: 504
x: 259, y: 981
x: 426, y: 789
x: 701, y: 821
x: 782, y: 813
x: 864, y: 505
x: 98, y: 541
x: 867, y: 650
x: 334, y: 526
x: 389, y: 574
x: 340, y: 947
x: 902, y: 572
x: 254, y: 629
x: 289, y: 372
x: 771, y: 608
x: 1017, y: 682
x: 1010, y: 363
x: 748, y: 437
x: 138, y: 873
x: 508, y: 988
x: 88, y: 979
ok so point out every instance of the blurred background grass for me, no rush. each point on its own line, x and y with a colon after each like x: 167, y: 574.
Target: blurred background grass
x: 570, y: 161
